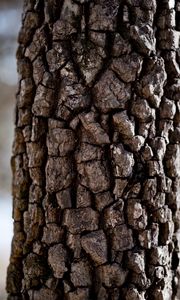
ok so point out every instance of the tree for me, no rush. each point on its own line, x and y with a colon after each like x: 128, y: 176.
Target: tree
x: 96, y: 151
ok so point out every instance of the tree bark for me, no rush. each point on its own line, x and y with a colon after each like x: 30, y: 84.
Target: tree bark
x: 96, y: 154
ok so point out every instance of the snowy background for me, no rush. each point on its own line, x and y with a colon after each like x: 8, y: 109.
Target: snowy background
x: 10, y: 19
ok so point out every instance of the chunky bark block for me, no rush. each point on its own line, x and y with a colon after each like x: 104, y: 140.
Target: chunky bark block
x: 144, y: 38
x: 103, y: 16
x: 81, y: 274
x: 124, y: 125
x: 151, y: 85
x: 57, y: 257
x: 52, y: 233
x: 82, y: 219
x: 74, y: 243
x: 159, y: 256
x: 79, y: 294
x: 89, y: 62
x: 123, y: 161
x: 35, y: 152
x: 64, y: 198
x: 136, y: 261
x: 95, y: 244
x: 102, y: 200
x: 34, y: 270
x: 43, y: 293
x: 94, y: 175
x: 86, y: 152
x: 59, y: 173
x: 114, y: 214
x: 122, y: 238
x: 33, y: 221
x: 111, y: 275
x: 60, y: 141
x: 43, y: 101
x: 141, y: 110
x: 136, y: 214
x: 172, y: 160
x: 110, y: 93
x: 127, y: 67
x: 99, y: 136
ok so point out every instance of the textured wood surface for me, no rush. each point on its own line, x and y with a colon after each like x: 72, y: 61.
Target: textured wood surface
x: 96, y: 154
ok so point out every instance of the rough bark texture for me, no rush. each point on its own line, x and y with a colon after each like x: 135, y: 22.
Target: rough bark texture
x: 96, y: 155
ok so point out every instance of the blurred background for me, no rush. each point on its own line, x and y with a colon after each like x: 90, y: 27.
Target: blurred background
x: 10, y: 21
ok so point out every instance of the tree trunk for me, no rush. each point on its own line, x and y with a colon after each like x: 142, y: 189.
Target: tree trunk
x: 96, y: 155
